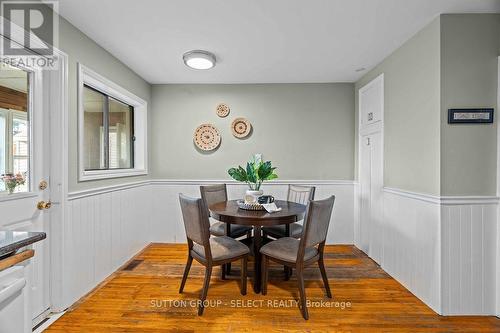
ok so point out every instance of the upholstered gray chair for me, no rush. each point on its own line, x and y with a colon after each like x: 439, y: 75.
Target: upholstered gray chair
x: 300, y: 253
x: 298, y: 194
x: 212, y: 194
x: 208, y: 251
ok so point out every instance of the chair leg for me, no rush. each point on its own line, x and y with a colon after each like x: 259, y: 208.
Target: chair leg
x: 223, y: 271
x: 244, y: 262
x: 204, y: 291
x: 321, y: 265
x: 265, y: 264
x: 288, y: 272
x: 300, y: 280
x: 186, y: 272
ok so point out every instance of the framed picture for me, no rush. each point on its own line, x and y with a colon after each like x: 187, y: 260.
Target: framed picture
x: 470, y: 116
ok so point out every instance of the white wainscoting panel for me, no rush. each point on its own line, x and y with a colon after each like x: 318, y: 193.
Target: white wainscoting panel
x: 411, y: 251
x: 469, y: 248
x: 441, y: 249
x: 167, y: 221
x: 105, y: 227
x: 102, y: 231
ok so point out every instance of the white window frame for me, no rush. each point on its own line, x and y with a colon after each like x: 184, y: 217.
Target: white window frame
x: 88, y: 77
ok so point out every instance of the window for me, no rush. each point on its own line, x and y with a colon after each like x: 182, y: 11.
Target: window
x: 108, y: 132
x: 112, y: 129
x: 14, y: 125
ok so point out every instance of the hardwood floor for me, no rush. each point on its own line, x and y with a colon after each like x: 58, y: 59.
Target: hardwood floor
x: 143, y: 297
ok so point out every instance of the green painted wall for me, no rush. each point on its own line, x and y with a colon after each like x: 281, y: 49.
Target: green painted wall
x: 411, y: 115
x: 469, y: 75
x: 82, y: 49
x: 307, y: 130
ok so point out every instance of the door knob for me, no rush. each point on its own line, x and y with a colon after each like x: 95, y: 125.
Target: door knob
x: 41, y: 205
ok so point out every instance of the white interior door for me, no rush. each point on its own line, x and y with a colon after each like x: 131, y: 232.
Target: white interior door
x: 365, y: 193
x: 371, y: 166
x: 25, y: 150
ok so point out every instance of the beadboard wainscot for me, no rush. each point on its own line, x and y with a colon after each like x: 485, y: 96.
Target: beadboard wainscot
x: 103, y: 228
x: 443, y: 249
x: 412, y: 245
x: 167, y: 220
x: 469, y: 246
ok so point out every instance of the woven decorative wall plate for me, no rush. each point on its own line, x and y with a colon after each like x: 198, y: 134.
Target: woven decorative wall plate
x: 222, y: 110
x: 207, y: 137
x: 241, y: 127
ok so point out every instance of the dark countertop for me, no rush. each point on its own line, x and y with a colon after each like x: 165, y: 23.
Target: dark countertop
x: 11, y: 241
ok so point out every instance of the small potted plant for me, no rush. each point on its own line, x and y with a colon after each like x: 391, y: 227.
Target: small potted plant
x: 12, y: 181
x: 255, y: 173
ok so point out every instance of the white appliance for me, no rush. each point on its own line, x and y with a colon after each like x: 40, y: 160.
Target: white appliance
x: 14, y: 301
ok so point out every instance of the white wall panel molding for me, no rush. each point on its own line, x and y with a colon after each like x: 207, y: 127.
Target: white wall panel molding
x: 413, y: 195
x: 443, y: 249
x: 104, y: 227
x: 469, y: 200
x: 166, y: 214
x: 445, y: 200
x: 411, y: 244
x: 105, y: 189
x: 102, y: 230
x: 468, y: 242
x: 233, y: 182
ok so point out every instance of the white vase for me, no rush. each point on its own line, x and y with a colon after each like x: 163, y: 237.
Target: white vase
x: 252, y: 196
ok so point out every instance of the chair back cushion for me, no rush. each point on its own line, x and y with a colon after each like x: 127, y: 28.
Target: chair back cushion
x: 212, y: 194
x: 316, y: 221
x: 195, y: 219
x: 300, y: 194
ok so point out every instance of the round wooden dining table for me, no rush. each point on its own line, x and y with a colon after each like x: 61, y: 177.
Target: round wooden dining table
x: 230, y: 213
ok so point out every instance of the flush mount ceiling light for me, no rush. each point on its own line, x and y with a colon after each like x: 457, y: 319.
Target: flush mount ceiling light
x: 199, y: 59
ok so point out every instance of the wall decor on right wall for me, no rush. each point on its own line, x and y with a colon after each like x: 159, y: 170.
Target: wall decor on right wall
x: 470, y: 116
x: 241, y: 127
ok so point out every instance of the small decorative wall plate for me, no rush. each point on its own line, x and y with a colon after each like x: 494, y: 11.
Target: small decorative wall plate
x: 222, y: 110
x: 207, y: 137
x: 241, y: 127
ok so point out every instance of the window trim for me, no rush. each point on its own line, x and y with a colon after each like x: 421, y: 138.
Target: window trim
x: 10, y: 115
x: 96, y: 81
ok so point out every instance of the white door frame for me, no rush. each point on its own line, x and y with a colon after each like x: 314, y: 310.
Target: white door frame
x: 363, y: 131
x: 498, y: 194
x: 58, y: 178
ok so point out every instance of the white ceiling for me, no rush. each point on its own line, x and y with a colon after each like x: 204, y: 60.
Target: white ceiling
x: 257, y: 41
x: 13, y: 78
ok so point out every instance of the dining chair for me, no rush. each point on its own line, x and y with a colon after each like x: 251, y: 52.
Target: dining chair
x: 208, y: 251
x: 297, y: 194
x: 300, y: 253
x: 212, y: 194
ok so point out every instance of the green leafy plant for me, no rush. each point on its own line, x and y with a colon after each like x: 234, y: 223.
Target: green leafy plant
x: 255, y: 173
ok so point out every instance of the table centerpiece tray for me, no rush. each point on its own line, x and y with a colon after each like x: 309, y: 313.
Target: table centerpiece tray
x: 249, y: 206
